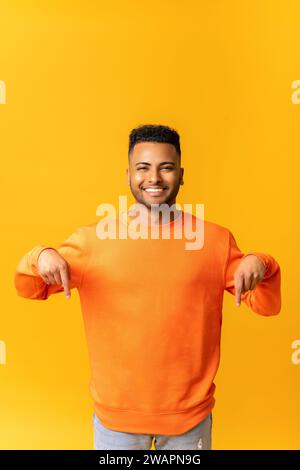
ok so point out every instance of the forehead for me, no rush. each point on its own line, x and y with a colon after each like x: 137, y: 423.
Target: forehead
x: 153, y: 151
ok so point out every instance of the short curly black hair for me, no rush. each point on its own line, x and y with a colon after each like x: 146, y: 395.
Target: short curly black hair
x: 154, y: 133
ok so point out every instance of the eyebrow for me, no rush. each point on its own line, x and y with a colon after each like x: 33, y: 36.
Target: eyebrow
x: 162, y: 163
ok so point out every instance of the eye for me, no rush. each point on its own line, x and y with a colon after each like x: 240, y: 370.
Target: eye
x: 167, y: 168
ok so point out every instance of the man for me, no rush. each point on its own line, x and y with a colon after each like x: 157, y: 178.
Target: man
x: 152, y: 309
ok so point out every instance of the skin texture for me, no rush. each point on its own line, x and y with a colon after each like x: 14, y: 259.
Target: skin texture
x: 248, y: 274
x: 152, y: 164
x: 53, y: 269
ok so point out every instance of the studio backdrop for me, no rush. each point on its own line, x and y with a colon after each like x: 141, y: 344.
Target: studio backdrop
x: 75, y: 78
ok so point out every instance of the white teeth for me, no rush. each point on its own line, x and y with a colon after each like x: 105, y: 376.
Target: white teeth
x: 152, y: 190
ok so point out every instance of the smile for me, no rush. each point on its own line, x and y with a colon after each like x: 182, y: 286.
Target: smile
x: 154, y: 191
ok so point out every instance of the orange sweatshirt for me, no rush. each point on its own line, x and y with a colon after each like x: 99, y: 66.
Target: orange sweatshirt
x: 152, y: 312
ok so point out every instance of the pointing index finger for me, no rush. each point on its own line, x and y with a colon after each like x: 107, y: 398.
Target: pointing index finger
x: 238, y: 289
x: 65, y: 281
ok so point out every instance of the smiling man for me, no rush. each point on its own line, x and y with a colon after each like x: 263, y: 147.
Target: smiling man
x: 155, y: 172
x: 152, y: 309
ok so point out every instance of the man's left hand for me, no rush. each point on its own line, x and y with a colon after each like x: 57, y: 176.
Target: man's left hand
x: 249, y: 273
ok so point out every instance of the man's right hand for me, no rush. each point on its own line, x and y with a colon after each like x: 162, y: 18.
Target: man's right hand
x: 53, y: 269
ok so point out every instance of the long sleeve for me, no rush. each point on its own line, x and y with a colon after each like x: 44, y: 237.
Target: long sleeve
x: 29, y: 284
x: 265, y: 299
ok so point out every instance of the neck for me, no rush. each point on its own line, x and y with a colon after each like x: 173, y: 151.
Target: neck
x: 159, y: 215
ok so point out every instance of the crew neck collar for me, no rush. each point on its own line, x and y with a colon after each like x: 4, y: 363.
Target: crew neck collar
x: 127, y: 218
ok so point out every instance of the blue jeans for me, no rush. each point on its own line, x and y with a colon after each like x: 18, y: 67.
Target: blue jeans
x: 197, y: 438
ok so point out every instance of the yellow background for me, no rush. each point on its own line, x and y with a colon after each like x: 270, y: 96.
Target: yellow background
x: 79, y: 76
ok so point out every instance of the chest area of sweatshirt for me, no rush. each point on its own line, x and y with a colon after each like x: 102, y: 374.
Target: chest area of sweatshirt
x: 129, y: 265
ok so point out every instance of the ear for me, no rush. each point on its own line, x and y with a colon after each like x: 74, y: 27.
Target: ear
x: 127, y: 174
x: 181, y: 177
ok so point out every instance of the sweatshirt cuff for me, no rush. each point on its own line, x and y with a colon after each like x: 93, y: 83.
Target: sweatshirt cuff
x: 264, y: 259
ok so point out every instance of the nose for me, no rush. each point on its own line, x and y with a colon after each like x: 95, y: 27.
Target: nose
x: 155, y: 177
